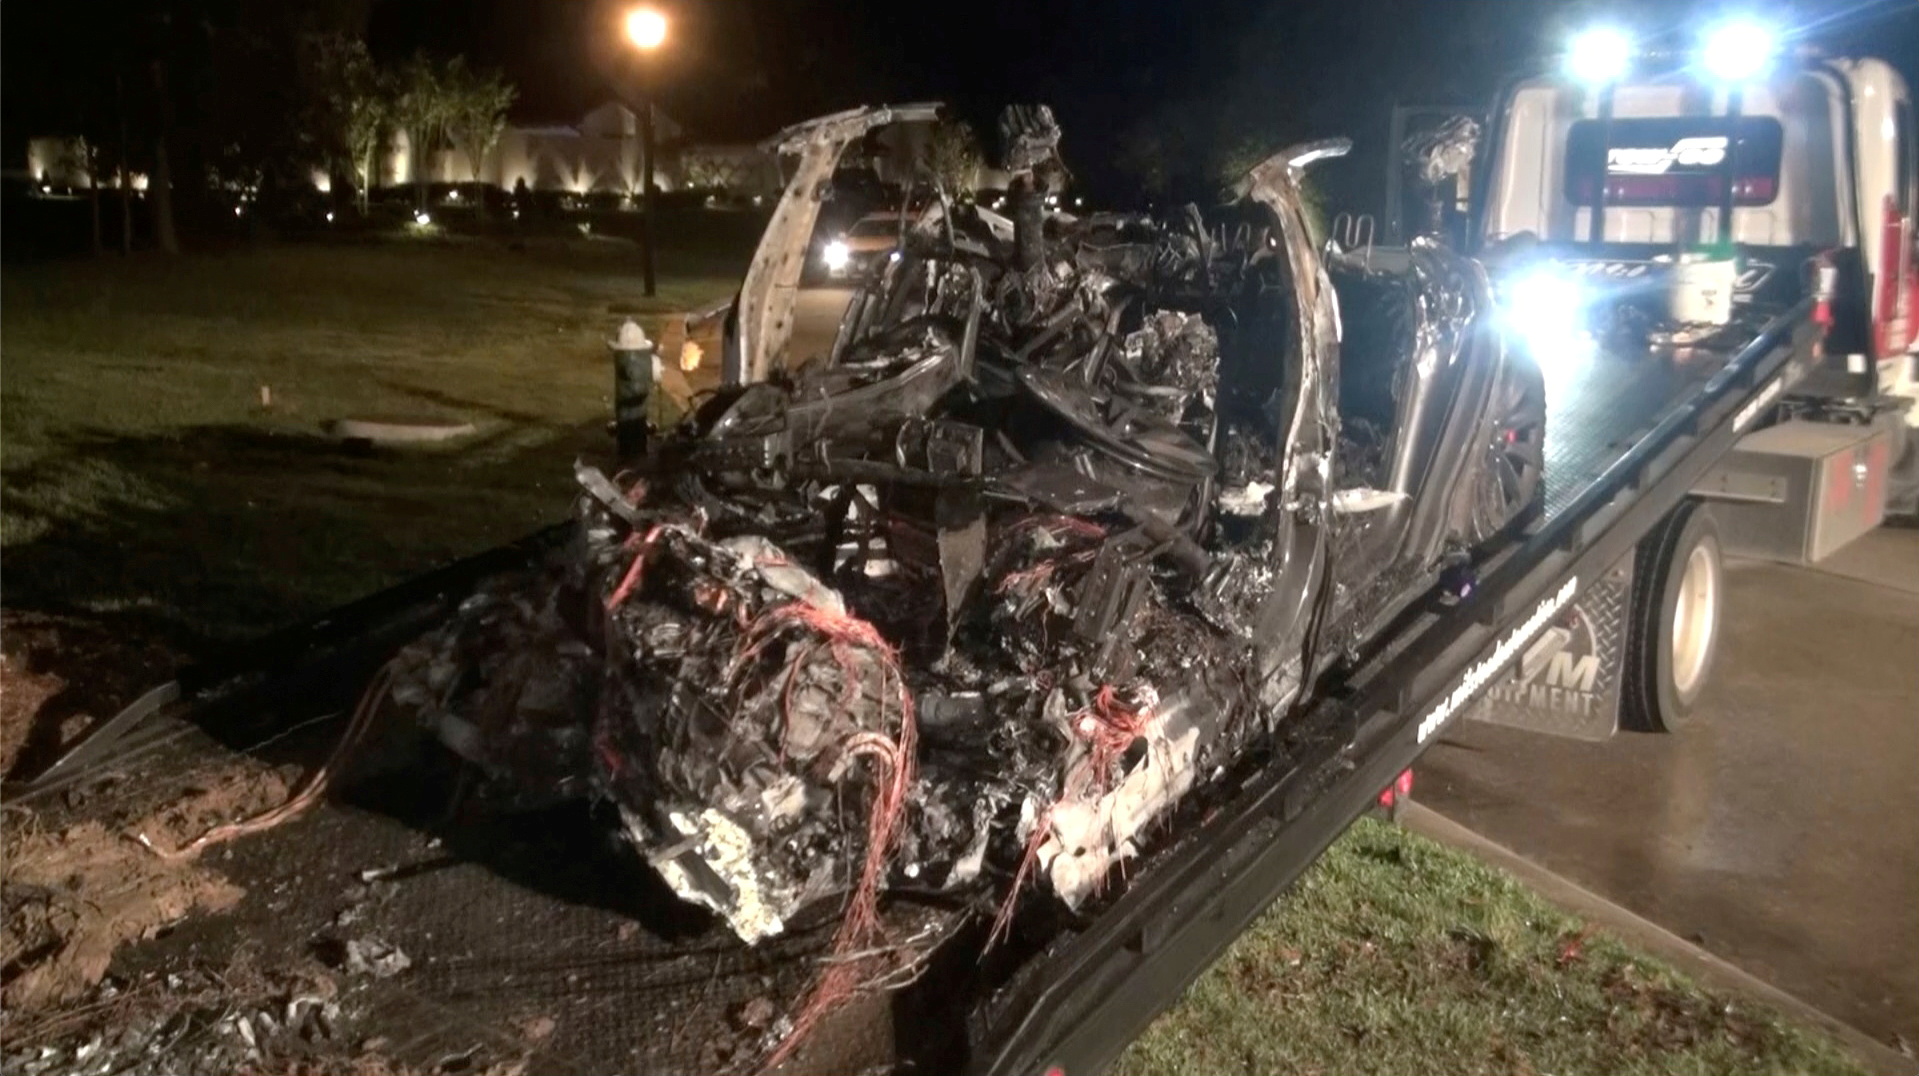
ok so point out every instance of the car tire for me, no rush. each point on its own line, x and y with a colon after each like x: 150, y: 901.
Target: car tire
x: 1509, y: 488
x: 1674, y: 626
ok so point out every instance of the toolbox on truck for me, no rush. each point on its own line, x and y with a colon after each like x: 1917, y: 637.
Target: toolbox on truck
x: 1798, y: 491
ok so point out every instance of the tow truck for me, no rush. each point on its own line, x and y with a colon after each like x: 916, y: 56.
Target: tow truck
x: 1798, y: 173
x: 1662, y: 361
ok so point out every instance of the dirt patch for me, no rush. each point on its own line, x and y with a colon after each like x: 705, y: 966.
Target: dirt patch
x: 23, y: 693
x: 74, y: 896
x: 233, y: 793
x: 59, y: 675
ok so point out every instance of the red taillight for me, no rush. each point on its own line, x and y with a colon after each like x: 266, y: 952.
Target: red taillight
x: 1401, y: 788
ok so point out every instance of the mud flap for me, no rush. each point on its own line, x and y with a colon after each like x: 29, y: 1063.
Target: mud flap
x: 1566, y: 682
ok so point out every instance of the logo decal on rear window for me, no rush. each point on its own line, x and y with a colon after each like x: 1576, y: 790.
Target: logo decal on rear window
x: 1703, y: 151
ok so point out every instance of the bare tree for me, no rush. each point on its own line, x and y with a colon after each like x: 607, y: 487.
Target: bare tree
x: 422, y: 107
x: 479, y: 100
x: 349, y: 105
x: 953, y: 157
x: 368, y: 114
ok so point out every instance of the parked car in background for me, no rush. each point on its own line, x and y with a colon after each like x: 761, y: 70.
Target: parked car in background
x: 851, y: 254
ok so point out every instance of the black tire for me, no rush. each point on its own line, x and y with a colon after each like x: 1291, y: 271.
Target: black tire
x: 1663, y: 682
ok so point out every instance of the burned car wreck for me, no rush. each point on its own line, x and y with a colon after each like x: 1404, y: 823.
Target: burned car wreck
x: 1073, y: 512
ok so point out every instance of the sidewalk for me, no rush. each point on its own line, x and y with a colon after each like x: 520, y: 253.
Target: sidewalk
x: 1652, y: 938
x: 1780, y: 832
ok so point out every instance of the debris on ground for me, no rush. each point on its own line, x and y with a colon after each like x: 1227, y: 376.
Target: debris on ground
x: 240, y: 1017
x: 372, y: 956
x: 74, y: 895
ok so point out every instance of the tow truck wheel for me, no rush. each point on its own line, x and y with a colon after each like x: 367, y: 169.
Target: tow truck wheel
x: 1673, y: 631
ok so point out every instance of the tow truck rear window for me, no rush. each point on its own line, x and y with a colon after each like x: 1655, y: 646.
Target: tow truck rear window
x: 1679, y: 161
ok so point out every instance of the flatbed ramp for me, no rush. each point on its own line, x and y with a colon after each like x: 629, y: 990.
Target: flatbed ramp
x: 1626, y: 441
x: 544, y: 921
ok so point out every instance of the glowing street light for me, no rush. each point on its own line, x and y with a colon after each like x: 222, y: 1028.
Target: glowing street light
x: 646, y: 28
x: 1599, y: 55
x: 1738, y: 51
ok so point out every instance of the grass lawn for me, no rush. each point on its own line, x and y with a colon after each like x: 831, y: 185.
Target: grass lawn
x: 1398, y: 955
x: 147, y: 478
x: 148, y: 488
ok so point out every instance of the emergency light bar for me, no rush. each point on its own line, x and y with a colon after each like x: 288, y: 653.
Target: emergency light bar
x: 1732, y: 52
x: 1738, y: 51
x: 1599, y: 55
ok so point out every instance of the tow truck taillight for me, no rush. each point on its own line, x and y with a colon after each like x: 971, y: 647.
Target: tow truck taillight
x: 1398, y: 791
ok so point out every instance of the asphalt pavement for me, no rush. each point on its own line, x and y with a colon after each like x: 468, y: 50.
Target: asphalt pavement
x: 816, y: 320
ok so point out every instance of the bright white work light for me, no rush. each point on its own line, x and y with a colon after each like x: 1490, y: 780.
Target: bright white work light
x: 836, y: 255
x: 1544, y: 308
x: 1738, y: 51
x: 1599, y: 55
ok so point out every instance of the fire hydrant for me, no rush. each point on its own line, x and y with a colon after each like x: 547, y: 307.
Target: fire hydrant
x: 636, y: 368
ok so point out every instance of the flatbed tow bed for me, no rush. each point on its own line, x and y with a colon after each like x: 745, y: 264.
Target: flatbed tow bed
x: 516, y: 916
x: 1626, y: 443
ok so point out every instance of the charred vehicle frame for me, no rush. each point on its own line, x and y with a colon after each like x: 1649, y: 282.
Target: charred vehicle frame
x: 1064, y: 523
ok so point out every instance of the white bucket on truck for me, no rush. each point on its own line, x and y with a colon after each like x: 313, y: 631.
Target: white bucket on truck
x: 1699, y: 289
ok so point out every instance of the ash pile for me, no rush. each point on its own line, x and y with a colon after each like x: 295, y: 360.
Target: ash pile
x: 968, y: 603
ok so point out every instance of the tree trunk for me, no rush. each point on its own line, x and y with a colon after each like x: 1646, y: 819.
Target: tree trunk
x: 480, y: 210
x: 646, y: 183
x: 420, y: 158
x: 125, y: 180
x: 93, y: 200
x: 161, y: 186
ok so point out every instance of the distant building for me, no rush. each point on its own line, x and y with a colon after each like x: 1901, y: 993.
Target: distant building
x: 64, y: 162
x: 600, y: 153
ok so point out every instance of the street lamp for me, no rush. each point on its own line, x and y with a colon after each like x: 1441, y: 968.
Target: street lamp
x: 646, y: 29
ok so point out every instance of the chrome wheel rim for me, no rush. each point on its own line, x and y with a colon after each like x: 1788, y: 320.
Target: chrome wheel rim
x: 1695, y: 617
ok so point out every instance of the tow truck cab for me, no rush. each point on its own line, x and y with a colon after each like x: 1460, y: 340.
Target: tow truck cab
x: 1811, y: 159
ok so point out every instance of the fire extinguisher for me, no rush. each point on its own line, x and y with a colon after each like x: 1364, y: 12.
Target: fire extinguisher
x: 1825, y: 286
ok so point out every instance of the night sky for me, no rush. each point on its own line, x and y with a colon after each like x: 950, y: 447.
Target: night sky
x: 1278, y: 71
x: 1198, y: 71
